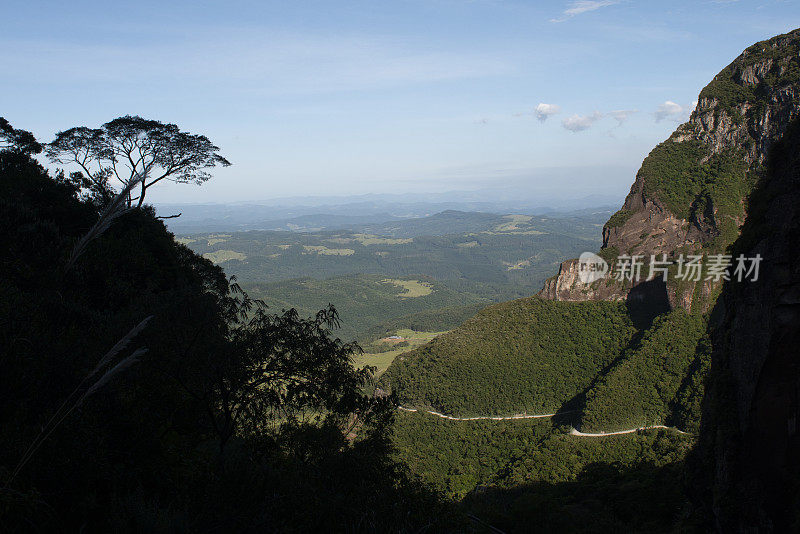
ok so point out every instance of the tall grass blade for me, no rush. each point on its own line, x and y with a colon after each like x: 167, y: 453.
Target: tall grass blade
x: 70, y: 404
x: 116, y: 208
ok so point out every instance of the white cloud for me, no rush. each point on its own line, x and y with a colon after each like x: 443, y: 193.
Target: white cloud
x: 621, y: 115
x: 543, y: 111
x: 673, y: 111
x: 583, y: 6
x: 578, y: 123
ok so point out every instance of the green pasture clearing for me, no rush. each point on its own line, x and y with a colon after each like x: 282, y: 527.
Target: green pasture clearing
x: 382, y: 360
x: 411, y: 288
x: 325, y: 251
x: 369, y: 239
x: 518, y: 265
x: 213, y: 239
x: 513, y: 223
x: 219, y: 256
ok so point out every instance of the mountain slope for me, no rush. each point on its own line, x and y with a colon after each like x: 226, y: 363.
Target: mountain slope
x: 365, y: 301
x: 527, y: 355
x: 748, y: 466
x: 652, y: 384
x: 690, y: 195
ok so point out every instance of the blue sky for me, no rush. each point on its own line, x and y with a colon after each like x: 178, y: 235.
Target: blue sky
x: 348, y: 97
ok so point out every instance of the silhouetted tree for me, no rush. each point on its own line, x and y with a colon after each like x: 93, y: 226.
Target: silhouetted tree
x: 148, y: 452
x: 131, y: 148
x: 286, y: 365
x: 20, y: 140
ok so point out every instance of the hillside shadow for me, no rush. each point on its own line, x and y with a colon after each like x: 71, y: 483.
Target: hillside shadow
x: 605, y: 497
x: 759, y: 454
x: 645, y: 302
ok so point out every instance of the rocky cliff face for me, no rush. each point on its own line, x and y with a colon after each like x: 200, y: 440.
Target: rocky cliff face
x: 729, y: 180
x: 750, y: 435
x: 567, y: 286
x: 690, y: 194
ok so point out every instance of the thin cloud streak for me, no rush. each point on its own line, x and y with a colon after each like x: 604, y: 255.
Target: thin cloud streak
x: 673, y: 111
x: 583, y: 6
x: 622, y: 115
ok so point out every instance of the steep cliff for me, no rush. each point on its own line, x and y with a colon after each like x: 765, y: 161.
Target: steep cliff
x: 749, y: 436
x: 690, y: 195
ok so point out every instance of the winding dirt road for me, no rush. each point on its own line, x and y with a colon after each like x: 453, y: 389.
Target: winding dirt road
x: 485, y: 418
x: 573, y: 432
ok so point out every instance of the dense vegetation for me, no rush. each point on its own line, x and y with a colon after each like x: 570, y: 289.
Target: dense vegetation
x: 622, y: 370
x: 528, y: 355
x: 365, y: 301
x: 619, y: 218
x: 499, y: 265
x: 436, y: 320
x: 606, y: 496
x: 651, y: 379
x: 707, y: 192
x: 783, y: 69
x: 458, y: 456
x: 668, y: 173
x: 210, y: 415
x: 516, y: 474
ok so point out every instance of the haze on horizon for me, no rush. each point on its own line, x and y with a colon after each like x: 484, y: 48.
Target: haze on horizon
x: 418, y: 96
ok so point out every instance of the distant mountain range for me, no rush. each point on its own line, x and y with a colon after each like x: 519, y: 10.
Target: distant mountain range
x: 336, y: 213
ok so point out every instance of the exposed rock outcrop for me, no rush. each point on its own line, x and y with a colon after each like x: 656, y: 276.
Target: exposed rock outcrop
x: 690, y: 195
x: 568, y: 286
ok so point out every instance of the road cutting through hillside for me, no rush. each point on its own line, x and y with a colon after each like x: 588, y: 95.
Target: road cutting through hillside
x: 575, y: 432
x: 572, y: 432
x: 482, y: 418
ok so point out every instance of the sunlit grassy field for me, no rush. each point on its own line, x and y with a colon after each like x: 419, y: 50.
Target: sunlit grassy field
x: 382, y: 360
x: 411, y: 288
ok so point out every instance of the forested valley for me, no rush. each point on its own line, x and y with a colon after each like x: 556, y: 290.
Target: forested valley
x: 450, y: 373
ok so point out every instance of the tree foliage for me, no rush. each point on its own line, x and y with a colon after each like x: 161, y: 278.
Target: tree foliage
x: 14, y: 139
x: 528, y: 355
x: 653, y: 380
x: 132, y: 148
x: 512, y: 475
x: 184, y: 440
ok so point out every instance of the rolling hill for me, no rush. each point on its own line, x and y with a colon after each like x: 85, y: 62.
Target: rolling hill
x: 366, y: 302
x: 724, y: 182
